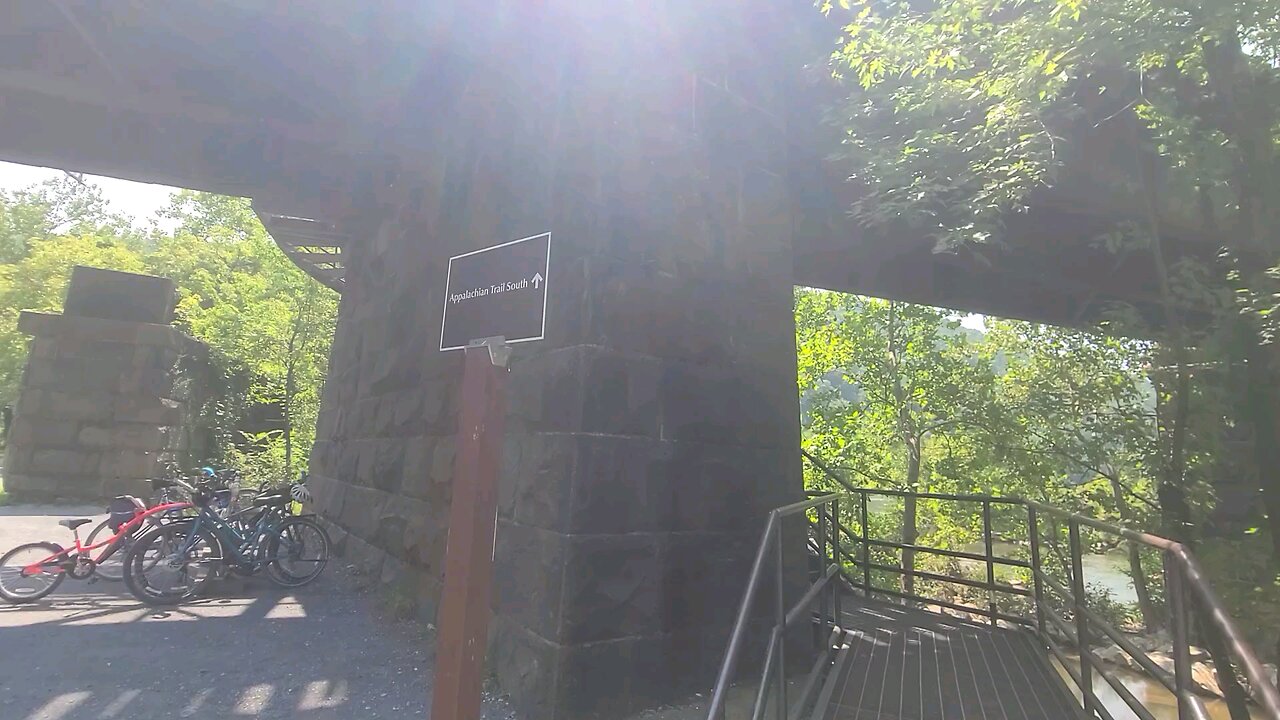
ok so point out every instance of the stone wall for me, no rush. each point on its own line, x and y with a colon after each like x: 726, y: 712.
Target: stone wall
x: 649, y: 434
x: 101, y: 405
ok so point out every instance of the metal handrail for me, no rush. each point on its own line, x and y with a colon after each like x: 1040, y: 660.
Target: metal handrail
x: 775, y: 658
x: 1187, y: 573
x: 1183, y: 574
x: 1253, y: 669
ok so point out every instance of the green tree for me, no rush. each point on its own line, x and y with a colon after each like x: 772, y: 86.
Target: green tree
x: 212, y: 217
x: 63, y: 206
x: 1066, y: 417
x: 1078, y: 424
x: 39, y: 280
x: 959, y: 113
x: 882, y: 380
x: 268, y: 323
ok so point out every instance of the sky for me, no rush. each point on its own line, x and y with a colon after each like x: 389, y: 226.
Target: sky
x: 137, y: 200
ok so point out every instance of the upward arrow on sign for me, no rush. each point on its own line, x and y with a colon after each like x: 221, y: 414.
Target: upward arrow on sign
x: 537, y: 280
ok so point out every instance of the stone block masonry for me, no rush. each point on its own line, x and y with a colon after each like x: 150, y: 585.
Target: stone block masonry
x: 651, y: 432
x: 100, y: 409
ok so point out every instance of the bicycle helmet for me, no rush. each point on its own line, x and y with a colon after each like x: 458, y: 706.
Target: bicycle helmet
x: 300, y: 493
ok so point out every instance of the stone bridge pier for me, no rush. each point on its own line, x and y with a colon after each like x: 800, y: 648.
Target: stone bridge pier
x: 109, y: 392
x: 652, y: 430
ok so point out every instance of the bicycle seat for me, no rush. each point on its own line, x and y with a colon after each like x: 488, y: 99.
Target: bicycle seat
x: 271, y: 498
x: 73, y: 524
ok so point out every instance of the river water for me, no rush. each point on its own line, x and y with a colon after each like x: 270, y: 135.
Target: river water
x: 1157, y: 700
x: 1110, y: 570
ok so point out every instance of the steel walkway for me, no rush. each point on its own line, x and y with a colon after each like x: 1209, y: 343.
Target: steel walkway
x: 888, y: 659
x: 314, y: 245
x: 905, y: 664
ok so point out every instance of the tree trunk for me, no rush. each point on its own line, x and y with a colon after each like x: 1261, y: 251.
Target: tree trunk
x: 911, y: 438
x: 1248, y: 121
x: 909, y: 527
x: 1261, y: 408
x: 1149, y: 619
x: 290, y: 390
x: 1245, y: 117
x: 1175, y: 514
x: 1177, y: 520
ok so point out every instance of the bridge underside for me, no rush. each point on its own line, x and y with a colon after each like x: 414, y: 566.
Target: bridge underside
x: 670, y: 152
x: 321, y: 113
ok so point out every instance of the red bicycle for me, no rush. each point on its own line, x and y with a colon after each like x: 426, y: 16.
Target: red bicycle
x: 32, y: 571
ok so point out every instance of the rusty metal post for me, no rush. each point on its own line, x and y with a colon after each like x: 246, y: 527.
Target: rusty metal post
x: 992, y: 607
x: 1082, y: 622
x: 835, y: 556
x: 866, y: 545
x: 1178, y: 611
x: 468, y: 566
x: 782, y: 627
x: 825, y: 602
x: 1033, y: 526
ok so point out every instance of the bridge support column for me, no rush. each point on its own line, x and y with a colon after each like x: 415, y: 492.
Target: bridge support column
x: 106, y: 392
x: 653, y: 429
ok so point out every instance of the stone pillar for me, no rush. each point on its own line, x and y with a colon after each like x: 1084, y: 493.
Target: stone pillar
x: 651, y: 432
x: 652, y: 443
x: 97, y: 411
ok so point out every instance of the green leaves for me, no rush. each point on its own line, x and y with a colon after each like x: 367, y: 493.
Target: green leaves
x: 1010, y: 95
x: 877, y: 377
x: 1021, y: 409
x: 268, y: 324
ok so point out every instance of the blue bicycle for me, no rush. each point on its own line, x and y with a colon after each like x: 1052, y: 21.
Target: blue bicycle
x: 172, y: 563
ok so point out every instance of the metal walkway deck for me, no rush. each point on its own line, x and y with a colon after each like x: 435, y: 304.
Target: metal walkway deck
x: 894, y: 661
x: 906, y: 664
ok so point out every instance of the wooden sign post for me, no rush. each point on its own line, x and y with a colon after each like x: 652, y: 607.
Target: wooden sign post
x: 497, y: 293
x: 468, y: 566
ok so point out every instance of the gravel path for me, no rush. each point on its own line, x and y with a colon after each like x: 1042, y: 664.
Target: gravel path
x: 249, y: 651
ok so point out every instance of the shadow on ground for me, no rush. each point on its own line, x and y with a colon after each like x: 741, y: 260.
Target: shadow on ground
x: 91, y: 651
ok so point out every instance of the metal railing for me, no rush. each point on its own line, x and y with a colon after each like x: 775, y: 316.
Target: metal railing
x: 773, y: 676
x: 1186, y: 590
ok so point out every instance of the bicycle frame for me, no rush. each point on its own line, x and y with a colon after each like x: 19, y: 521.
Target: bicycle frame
x: 243, y: 548
x: 110, y: 543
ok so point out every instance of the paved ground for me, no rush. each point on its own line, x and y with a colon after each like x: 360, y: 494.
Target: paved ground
x: 90, y: 651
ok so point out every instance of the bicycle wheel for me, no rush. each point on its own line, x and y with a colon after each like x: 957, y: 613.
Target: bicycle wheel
x: 158, y: 571
x: 18, y: 585
x: 299, y: 551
